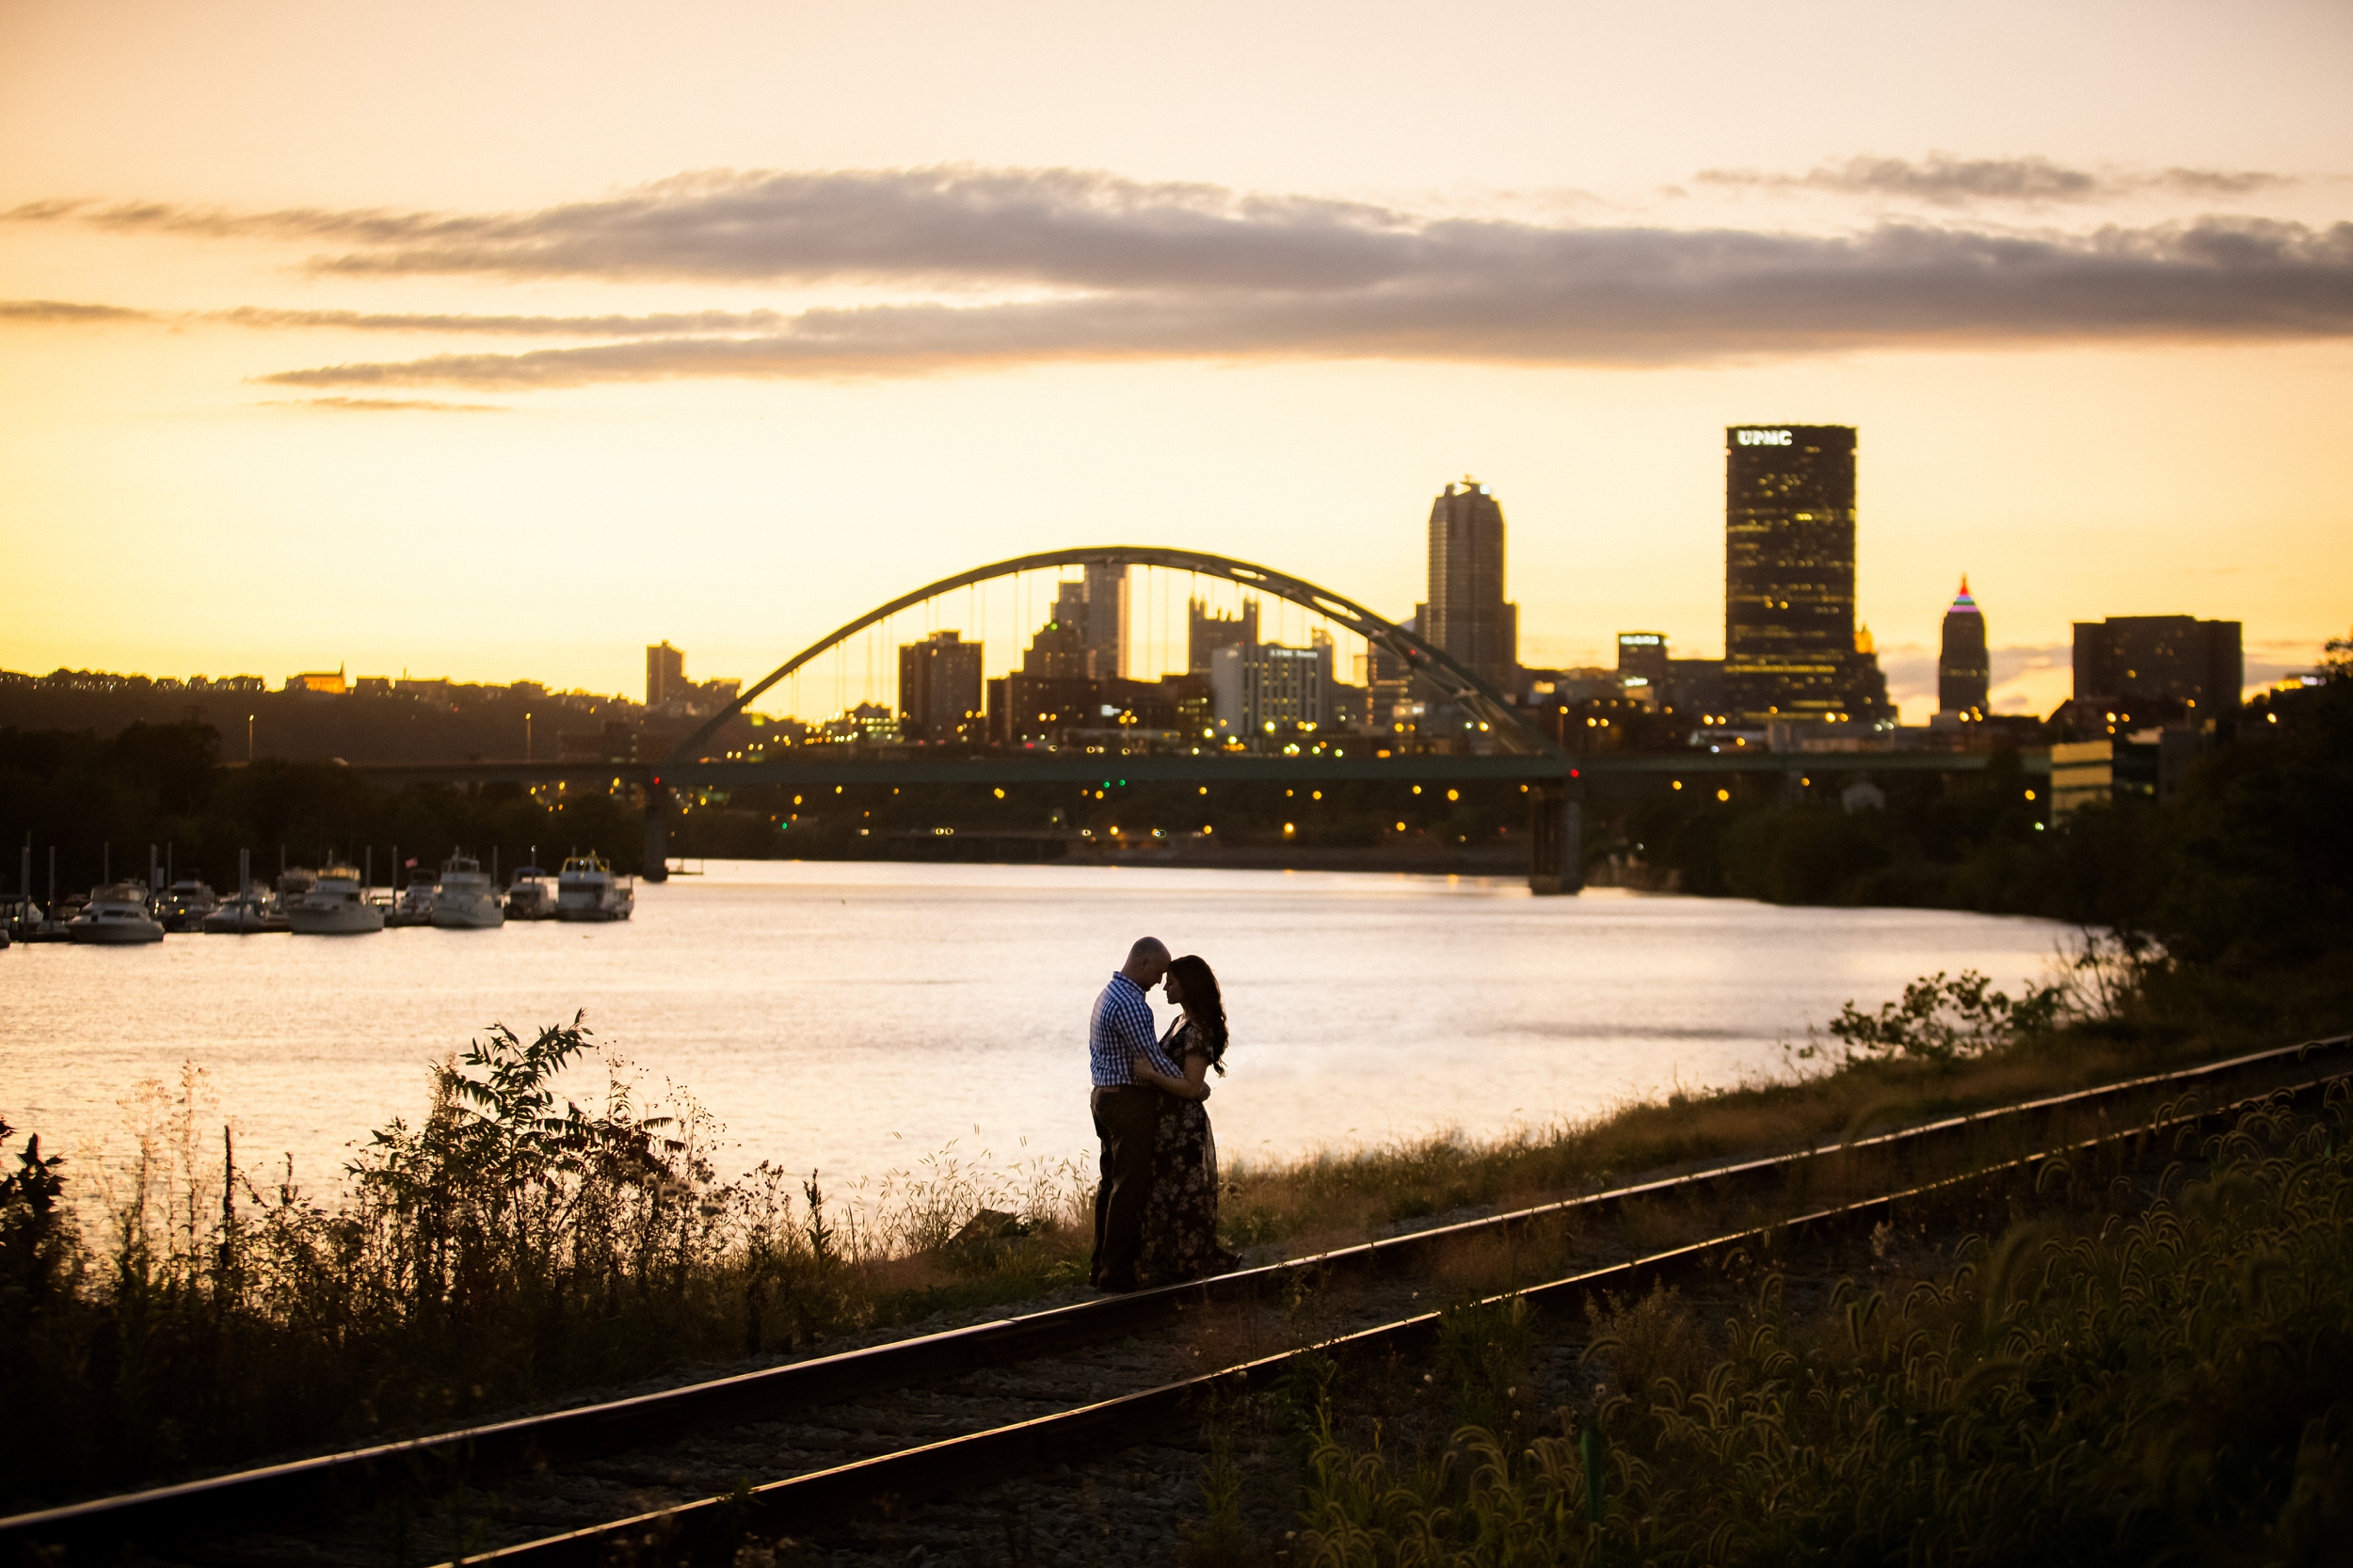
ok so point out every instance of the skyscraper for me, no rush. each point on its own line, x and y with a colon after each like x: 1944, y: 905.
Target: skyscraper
x: 1060, y: 652
x: 1467, y: 616
x: 665, y: 674
x: 2177, y: 661
x: 1789, y: 538
x: 939, y: 688
x: 1964, y: 674
x: 1643, y: 654
x: 1206, y: 631
x: 1106, y: 594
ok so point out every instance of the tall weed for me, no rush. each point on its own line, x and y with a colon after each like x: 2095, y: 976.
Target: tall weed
x: 510, y: 1245
x: 2172, y: 1385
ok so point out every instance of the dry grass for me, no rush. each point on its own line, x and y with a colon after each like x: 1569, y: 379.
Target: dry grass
x: 2113, y: 1381
x: 503, y: 1250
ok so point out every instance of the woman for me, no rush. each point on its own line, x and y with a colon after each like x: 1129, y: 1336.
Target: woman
x: 1180, y: 1222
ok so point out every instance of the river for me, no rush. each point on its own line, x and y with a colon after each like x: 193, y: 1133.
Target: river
x: 857, y: 1018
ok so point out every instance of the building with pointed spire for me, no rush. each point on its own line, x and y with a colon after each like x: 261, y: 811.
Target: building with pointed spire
x: 1965, y: 673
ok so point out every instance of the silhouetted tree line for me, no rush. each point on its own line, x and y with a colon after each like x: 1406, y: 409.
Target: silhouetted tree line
x: 424, y: 720
x: 2250, y: 858
x: 163, y: 784
x: 2250, y: 851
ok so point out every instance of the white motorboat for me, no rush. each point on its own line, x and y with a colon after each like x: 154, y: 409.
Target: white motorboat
x: 292, y: 887
x: 586, y: 889
x: 467, y: 899
x: 530, y: 897
x: 184, y: 906
x: 335, y: 906
x: 415, y: 904
x: 20, y: 916
x: 247, y: 914
x: 250, y: 911
x: 116, y: 914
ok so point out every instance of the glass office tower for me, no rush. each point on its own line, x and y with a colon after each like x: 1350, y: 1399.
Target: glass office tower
x: 1789, y: 538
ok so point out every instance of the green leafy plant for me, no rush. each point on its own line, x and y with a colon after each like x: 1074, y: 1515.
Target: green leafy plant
x: 1941, y: 1019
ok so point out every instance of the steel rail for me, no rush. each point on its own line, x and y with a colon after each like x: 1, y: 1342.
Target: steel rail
x: 231, y: 1501
x: 1089, y: 1431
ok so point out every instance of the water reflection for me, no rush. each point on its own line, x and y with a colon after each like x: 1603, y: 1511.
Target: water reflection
x: 851, y: 1018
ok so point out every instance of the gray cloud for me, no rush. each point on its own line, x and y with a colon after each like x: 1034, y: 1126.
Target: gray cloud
x: 1592, y: 296
x: 1102, y: 267
x: 667, y: 324
x: 664, y: 325
x: 387, y: 405
x: 66, y: 312
x: 1945, y: 180
x: 956, y: 226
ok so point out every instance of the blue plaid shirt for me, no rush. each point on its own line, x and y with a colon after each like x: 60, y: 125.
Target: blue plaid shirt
x: 1121, y: 1027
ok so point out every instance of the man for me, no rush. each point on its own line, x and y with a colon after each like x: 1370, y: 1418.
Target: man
x: 1127, y: 1113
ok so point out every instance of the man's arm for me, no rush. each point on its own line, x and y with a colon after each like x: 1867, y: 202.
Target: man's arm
x: 1134, y: 1021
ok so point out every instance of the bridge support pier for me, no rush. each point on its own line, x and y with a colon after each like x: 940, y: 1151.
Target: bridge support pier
x: 1556, y: 827
x: 657, y: 834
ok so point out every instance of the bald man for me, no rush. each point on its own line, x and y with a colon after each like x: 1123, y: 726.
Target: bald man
x: 1127, y: 1113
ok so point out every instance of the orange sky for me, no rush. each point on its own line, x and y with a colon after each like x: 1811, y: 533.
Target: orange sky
x: 500, y: 344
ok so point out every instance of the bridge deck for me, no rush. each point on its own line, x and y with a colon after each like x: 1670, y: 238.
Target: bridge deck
x: 1065, y: 768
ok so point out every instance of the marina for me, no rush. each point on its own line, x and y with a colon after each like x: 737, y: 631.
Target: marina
x: 338, y: 901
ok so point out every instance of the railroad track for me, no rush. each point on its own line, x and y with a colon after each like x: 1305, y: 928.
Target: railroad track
x: 795, y: 1445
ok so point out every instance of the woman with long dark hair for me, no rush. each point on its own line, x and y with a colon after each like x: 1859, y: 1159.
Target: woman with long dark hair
x: 1180, y: 1222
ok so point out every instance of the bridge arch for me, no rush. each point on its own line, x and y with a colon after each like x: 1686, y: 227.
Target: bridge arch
x: 1458, y: 684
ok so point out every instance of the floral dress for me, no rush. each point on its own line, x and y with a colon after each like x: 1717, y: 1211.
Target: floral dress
x: 1180, y: 1220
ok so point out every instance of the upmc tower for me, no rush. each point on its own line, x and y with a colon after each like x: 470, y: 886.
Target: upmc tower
x: 1790, y: 523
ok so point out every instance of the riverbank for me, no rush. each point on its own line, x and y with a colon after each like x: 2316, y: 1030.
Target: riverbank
x: 499, y: 1253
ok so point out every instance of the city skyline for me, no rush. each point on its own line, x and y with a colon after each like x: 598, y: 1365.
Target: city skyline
x: 622, y: 347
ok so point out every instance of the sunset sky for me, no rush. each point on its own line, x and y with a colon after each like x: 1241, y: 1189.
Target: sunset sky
x: 496, y: 341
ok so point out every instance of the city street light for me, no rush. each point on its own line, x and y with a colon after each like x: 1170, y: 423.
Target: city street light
x: 526, y: 737
x: 249, y: 737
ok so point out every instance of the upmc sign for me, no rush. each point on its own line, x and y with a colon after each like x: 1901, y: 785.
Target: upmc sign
x: 1763, y: 437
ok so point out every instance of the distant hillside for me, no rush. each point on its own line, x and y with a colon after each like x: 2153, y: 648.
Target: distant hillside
x: 423, y: 721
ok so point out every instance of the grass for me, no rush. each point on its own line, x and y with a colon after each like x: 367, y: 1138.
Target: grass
x: 2125, y: 1382
x: 2113, y: 1014
x: 508, y: 1248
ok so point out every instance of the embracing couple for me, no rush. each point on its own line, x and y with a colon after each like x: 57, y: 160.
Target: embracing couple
x: 1156, y: 1208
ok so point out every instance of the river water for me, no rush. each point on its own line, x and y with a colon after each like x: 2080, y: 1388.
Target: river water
x: 855, y: 1019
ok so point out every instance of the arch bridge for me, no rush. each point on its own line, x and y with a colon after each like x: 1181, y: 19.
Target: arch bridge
x: 1522, y: 750
x: 1519, y: 750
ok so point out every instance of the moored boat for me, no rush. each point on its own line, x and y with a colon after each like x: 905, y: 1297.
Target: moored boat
x: 20, y: 916
x: 184, y: 906
x: 415, y: 904
x: 586, y: 889
x: 250, y: 911
x: 466, y: 899
x: 115, y: 916
x: 531, y: 896
x: 248, y: 914
x: 336, y: 905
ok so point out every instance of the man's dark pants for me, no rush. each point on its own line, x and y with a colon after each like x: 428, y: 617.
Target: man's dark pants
x: 1125, y: 1119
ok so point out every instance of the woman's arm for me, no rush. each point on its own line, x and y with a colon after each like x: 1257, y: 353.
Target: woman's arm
x: 1192, y: 1086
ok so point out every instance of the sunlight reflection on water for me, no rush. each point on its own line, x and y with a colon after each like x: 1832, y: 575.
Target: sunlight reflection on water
x: 853, y: 1017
